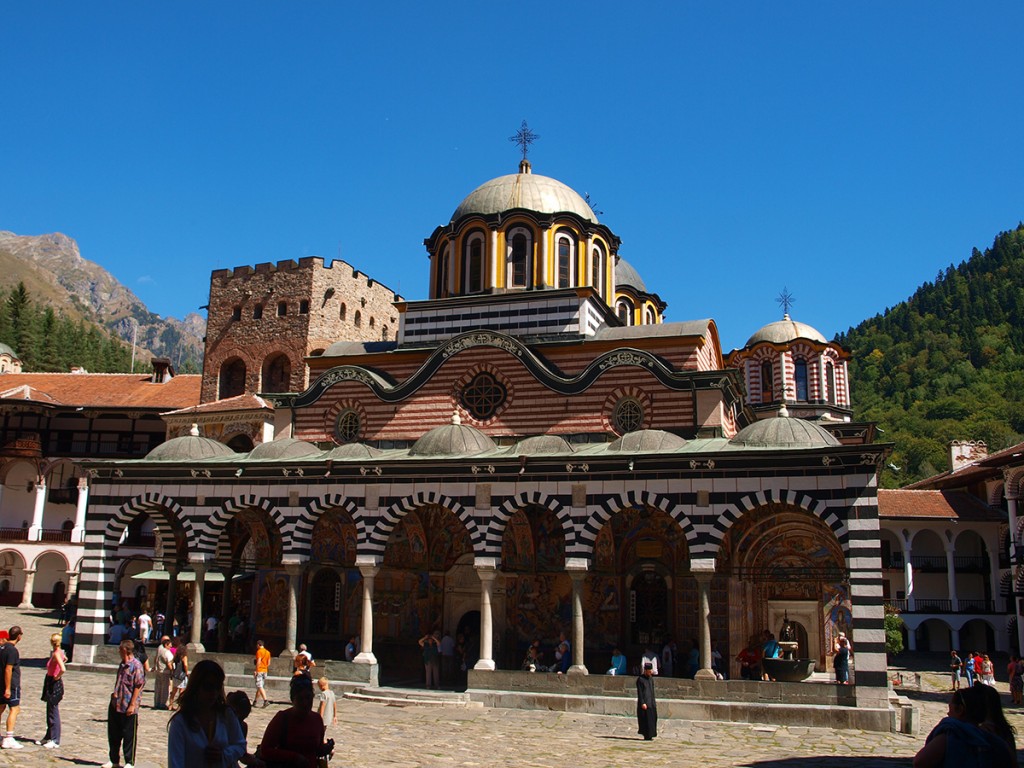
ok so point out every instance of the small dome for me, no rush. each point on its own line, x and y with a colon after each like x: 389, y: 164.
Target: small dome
x: 540, y: 444
x: 6, y: 350
x: 647, y: 441
x: 455, y: 439
x: 627, y: 277
x: 785, y: 330
x: 189, y: 448
x: 784, y: 432
x: 285, y: 448
x: 524, y: 190
x: 352, y: 451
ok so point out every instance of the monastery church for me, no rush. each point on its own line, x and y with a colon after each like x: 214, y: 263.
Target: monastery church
x: 529, y: 451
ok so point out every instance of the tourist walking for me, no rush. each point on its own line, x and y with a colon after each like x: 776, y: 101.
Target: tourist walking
x: 295, y: 737
x: 969, y: 669
x: 955, y: 663
x: 303, y: 663
x: 164, y: 666
x: 10, y: 670
x: 204, y: 731
x: 988, y: 671
x: 327, y: 706
x: 430, y: 643
x: 1015, y: 672
x: 646, y: 706
x: 261, y: 664
x: 841, y: 661
x: 53, y: 692
x: 123, y: 712
x: 179, y: 675
x: 145, y: 624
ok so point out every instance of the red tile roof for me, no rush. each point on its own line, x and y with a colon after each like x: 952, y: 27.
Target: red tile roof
x: 936, y: 505
x: 238, y: 403
x: 100, y: 390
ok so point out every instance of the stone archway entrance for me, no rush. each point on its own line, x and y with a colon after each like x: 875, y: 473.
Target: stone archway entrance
x: 649, y: 615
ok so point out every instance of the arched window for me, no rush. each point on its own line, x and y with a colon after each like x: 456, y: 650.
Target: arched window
x: 282, y: 308
x: 518, y: 257
x: 597, y: 279
x: 565, y: 255
x: 343, y: 311
x: 474, y: 270
x: 257, y: 312
x: 277, y: 373
x: 358, y: 319
x: 624, y: 309
x: 830, y: 380
x: 800, y: 375
x: 648, y: 316
x: 236, y: 313
x: 441, y: 287
x: 384, y: 333
x: 232, y: 378
x: 767, y: 382
x: 304, y: 307
x: 373, y: 322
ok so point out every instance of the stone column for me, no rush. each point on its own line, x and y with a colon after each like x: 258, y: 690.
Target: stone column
x: 703, y: 622
x: 291, y: 646
x: 1015, y: 553
x: 954, y: 639
x: 951, y: 579
x: 196, y: 639
x: 908, y: 576
x: 72, y: 583
x: 542, y: 281
x: 78, y: 532
x: 496, y: 260
x: 486, y: 569
x: 35, y: 530
x: 578, y: 574
x: 368, y: 567
x: 26, y: 595
x: 225, y: 610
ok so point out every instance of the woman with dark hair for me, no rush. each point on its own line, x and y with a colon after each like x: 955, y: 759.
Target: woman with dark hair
x: 295, y: 737
x: 995, y: 720
x: 964, y: 739
x: 179, y: 673
x: 204, y: 731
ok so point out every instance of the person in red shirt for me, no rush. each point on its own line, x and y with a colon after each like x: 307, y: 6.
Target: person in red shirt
x: 750, y: 661
x: 296, y: 735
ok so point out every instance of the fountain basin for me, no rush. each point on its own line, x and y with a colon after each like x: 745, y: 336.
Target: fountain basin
x: 788, y: 670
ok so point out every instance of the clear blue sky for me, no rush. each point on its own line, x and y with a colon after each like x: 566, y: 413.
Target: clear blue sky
x: 845, y: 151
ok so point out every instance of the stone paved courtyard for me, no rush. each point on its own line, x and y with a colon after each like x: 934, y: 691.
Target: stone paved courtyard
x: 370, y: 734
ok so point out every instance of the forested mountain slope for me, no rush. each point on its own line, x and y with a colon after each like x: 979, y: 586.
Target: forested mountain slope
x: 946, y: 364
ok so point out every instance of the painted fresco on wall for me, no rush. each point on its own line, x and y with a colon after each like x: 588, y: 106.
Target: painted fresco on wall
x: 602, y: 611
x: 407, y: 545
x: 648, y: 535
x: 271, y: 602
x: 353, y: 601
x: 837, y: 613
x: 549, y: 539
x: 604, y: 550
x: 447, y: 537
x: 401, y: 604
x: 517, y: 544
x: 539, y: 606
x: 334, y: 539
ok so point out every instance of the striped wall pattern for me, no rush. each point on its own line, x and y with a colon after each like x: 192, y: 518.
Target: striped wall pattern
x: 316, y: 509
x: 390, y: 517
x: 211, y: 532
x: 864, y: 561
x: 502, y: 513
x: 437, y: 322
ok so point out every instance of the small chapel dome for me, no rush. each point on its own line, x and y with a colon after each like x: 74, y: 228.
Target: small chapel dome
x: 190, y: 447
x: 626, y: 276
x: 6, y: 350
x: 524, y: 190
x: 784, y: 331
x: 784, y: 432
x: 352, y: 451
x: 455, y: 439
x: 540, y: 444
x: 286, y: 448
x: 647, y: 441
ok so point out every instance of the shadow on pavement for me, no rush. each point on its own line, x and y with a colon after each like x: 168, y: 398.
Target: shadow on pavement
x: 831, y: 761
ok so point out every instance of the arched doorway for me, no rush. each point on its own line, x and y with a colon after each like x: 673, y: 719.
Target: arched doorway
x: 332, y: 610
x: 650, y: 612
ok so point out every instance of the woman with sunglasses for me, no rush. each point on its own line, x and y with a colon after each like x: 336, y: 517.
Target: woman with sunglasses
x: 965, y: 738
x: 204, y: 731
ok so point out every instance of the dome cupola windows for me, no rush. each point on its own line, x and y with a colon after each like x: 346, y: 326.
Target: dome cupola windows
x: 474, y: 263
x: 565, y: 260
x: 520, y: 246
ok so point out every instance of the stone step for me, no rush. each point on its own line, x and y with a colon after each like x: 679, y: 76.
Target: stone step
x: 412, y: 697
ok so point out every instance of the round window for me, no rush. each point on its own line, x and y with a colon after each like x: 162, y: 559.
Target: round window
x: 628, y: 415
x: 483, y: 396
x: 348, y: 426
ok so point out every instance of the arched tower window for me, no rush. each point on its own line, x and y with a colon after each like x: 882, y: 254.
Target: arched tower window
x: 518, y: 257
x: 474, y: 270
x: 282, y: 308
x: 277, y: 373
x: 232, y: 378
x: 597, y: 279
x: 257, y: 312
x: 648, y: 316
x: 384, y: 333
x: 624, y: 309
x: 767, y: 382
x: 441, y: 286
x: 565, y: 250
x: 358, y: 319
x: 800, y: 376
x: 830, y: 382
x: 342, y: 312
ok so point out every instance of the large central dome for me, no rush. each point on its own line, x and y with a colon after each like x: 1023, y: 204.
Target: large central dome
x: 524, y: 190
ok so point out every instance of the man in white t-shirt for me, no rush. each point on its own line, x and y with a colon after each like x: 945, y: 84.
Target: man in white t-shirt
x: 145, y: 624
x: 211, y: 630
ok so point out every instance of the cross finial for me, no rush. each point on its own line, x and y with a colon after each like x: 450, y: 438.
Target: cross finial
x: 524, y: 137
x: 786, y: 301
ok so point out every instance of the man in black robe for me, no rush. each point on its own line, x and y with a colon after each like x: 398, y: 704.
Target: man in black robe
x: 646, y: 706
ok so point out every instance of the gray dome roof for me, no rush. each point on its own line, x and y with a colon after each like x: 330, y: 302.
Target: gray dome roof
x: 6, y: 350
x: 626, y: 275
x: 784, y: 432
x: 647, y: 441
x: 524, y: 190
x: 452, y: 440
x: 540, y: 444
x: 189, y: 448
x: 352, y: 451
x: 286, y: 448
x: 785, y: 330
